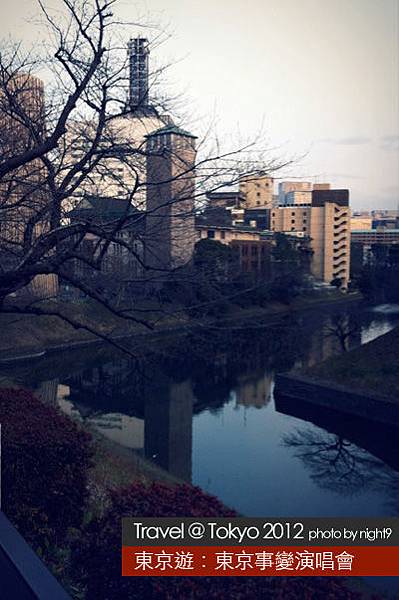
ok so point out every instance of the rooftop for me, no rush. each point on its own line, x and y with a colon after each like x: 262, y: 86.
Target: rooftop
x: 171, y: 129
x: 103, y: 208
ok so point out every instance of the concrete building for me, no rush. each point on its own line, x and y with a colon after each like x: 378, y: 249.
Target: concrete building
x: 124, y: 170
x: 361, y: 222
x: 253, y: 248
x: 326, y: 222
x: 226, y: 234
x: 256, y: 191
x: 24, y: 199
x: 223, y: 198
x: 375, y: 236
x: 125, y: 259
x: 284, y: 187
x: 374, y: 247
x: 321, y: 186
x: 298, y: 197
x: 170, y: 225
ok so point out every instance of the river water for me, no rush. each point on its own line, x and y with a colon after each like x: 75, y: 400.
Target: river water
x: 203, y: 408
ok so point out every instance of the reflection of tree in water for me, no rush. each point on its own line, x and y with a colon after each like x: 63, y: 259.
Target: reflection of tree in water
x: 338, y: 465
x: 214, y: 359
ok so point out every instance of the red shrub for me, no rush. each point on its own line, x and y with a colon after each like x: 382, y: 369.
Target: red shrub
x: 45, y: 458
x: 97, y: 557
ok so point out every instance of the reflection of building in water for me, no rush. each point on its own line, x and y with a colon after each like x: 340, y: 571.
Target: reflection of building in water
x: 323, y: 342
x: 47, y: 391
x: 254, y: 391
x: 168, y: 429
x: 321, y: 347
x: 122, y: 429
x: 159, y: 424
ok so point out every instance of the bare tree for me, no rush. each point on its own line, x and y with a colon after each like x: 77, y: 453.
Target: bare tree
x: 342, y: 328
x: 58, y: 152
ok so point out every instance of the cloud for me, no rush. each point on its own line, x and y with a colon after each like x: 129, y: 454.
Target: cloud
x: 346, y: 141
x: 389, y: 142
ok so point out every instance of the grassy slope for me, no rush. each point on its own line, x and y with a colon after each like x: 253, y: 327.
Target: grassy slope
x: 22, y: 335
x: 373, y: 367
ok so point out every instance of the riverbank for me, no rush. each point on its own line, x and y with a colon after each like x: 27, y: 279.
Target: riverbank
x: 363, y: 382
x: 25, y: 336
x: 372, y: 368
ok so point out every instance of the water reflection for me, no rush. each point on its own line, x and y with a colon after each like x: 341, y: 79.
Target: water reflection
x: 203, y: 408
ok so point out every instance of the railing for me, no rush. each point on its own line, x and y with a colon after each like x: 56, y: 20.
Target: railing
x: 23, y: 575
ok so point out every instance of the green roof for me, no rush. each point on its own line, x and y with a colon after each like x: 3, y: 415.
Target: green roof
x: 171, y: 129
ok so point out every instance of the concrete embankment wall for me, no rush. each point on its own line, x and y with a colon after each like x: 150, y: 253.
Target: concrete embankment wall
x: 339, y: 398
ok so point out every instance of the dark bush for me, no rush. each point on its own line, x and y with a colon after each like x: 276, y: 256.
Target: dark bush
x: 45, y: 458
x: 97, y: 557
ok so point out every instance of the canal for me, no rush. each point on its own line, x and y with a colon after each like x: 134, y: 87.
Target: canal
x: 202, y: 407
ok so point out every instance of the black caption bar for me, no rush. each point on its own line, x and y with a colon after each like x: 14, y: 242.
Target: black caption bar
x: 260, y: 532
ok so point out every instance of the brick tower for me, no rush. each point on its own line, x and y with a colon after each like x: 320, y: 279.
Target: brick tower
x: 170, y: 227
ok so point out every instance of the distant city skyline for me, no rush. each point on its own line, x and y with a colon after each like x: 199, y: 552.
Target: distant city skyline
x: 321, y: 78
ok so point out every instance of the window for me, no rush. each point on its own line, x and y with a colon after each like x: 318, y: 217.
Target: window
x: 304, y: 228
x: 293, y: 222
x: 211, y: 234
x: 254, y: 251
x: 222, y: 235
x: 292, y: 214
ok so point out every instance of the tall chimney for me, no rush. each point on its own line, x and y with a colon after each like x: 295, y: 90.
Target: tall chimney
x: 138, y: 52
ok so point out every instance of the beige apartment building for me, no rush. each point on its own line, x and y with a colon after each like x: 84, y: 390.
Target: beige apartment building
x: 256, y: 192
x: 285, y: 187
x: 326, y: 220
x: 360, y: 222
x: 227, y: 235
x: 298, y: 197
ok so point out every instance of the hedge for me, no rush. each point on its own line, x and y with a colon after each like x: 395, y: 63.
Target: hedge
x: 97, y: 556
x: 45, y: 458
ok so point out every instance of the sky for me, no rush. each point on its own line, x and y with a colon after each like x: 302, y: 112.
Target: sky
x: 318, y: 78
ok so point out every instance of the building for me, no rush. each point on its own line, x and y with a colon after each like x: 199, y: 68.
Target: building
x: 285, y: 187
x: 123, y: 171
x: 124, y: 259
x: 138, y: 53
x: 253, y: 248
x: 374, y: 247
x: 24, y: 198
x: 326, y: 222
x: 170, y: 233
x: 321, y: 186
x: 298, y: 197
x: 224, y: 198
x: 258, y: 218
x: 256, y: 191
x: 375, y: 236
x: 361, y: 222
